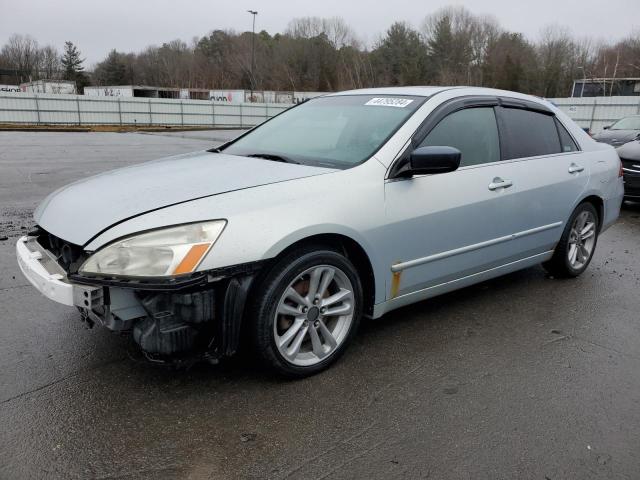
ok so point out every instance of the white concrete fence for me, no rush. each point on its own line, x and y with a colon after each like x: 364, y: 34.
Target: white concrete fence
x: 41, y: 109
x: 597, y: 112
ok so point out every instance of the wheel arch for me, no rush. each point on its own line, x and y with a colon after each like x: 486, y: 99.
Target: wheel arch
x: 598, y: 204
x: 350, y: 248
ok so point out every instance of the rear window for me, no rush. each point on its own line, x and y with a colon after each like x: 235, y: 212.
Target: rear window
x: 528, y: 133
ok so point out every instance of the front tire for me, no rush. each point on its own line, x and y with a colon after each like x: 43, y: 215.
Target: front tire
x: 306, y: 311
x: 577, y: 244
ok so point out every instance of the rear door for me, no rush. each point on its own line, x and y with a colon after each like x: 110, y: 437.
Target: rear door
x: 547, y: 171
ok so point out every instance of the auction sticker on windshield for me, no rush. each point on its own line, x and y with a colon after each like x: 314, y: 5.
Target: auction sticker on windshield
x: 389, y: 102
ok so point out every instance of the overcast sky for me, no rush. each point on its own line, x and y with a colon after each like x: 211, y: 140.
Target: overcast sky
x: 130, y: 25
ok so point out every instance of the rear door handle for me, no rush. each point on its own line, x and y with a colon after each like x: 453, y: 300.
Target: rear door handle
x: 500, y: 183
x: 573, y: 168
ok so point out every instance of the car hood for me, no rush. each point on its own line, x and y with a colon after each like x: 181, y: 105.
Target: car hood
x: 630, y: 151
x: 81, y: 210
x: 616, y: 137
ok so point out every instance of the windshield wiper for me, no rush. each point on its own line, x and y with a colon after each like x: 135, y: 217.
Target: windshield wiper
x: 275, y: 158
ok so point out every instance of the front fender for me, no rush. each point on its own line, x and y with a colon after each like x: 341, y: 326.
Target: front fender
x: 319, y: 229
x: 265, y: 220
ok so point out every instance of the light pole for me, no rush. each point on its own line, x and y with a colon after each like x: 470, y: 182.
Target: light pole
x: 253, y: 48
x: 584, y: 80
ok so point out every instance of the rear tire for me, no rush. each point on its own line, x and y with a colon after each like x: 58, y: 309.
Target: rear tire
x: 305, y: 312
x: 577, y: 244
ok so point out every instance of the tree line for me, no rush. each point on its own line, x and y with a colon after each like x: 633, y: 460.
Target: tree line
x: 451, y: 46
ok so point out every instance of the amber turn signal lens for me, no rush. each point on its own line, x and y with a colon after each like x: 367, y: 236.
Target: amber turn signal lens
x: 192, y: 259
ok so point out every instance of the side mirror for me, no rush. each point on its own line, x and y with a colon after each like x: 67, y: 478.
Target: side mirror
x: 428, y: 160
x: 606, y: 127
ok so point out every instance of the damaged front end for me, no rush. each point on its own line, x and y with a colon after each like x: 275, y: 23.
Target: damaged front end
x: 174, y: 320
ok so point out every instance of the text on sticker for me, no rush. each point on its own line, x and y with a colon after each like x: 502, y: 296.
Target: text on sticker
x: 389, y: 102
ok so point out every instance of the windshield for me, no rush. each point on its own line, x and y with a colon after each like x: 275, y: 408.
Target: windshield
x: 339, y: 131
x: 627, y: 123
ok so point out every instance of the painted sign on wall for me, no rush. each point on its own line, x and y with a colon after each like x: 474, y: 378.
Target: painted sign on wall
x: 226, y: 96
x: 10, y: 88
x: 49, y: 86
x: 108, y: 91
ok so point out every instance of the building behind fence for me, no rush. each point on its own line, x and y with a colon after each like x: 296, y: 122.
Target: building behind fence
x: 37, y: 109
x: 222, y: 96
x: 606, y: 87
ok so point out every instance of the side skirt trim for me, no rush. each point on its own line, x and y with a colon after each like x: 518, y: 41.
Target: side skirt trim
x: 470, y: 248
x: 435, y: 290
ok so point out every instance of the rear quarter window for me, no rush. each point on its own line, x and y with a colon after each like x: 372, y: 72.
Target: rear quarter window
x: 566, y: 141
x: 528, y: 134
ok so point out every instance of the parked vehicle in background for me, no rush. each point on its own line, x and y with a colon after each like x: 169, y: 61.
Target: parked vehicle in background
x: 351, y: 204
x: 624, y: 130
x: 629, y: 154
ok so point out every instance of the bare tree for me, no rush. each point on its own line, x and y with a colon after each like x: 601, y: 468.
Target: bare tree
x: 335, y: 29
x: 452, y: 47
x: 21, y: 53
x: 556, y: 55
x: 49, y: 62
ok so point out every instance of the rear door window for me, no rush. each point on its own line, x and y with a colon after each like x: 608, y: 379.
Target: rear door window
x: 473, y: 131
x: 528, y: 133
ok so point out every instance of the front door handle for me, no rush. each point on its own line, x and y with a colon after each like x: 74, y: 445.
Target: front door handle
x: 573, y: 168
x: 500, y: 183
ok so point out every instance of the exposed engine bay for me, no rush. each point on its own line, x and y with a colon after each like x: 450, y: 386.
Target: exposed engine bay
x: 198, y: 318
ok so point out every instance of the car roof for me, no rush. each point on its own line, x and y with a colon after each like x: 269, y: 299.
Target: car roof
x: 414, y: 91
x: 428, y: 91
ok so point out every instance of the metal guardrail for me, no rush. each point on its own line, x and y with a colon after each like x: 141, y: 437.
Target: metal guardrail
x: 40, y: 109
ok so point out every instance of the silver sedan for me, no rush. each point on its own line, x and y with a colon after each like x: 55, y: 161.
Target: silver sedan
x: 349, y: 205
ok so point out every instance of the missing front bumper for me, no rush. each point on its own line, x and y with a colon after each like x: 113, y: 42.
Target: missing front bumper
x: 43, y: 271
x: 202, y: 318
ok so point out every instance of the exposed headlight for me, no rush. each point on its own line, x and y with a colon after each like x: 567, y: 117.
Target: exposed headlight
x: 160, y: 253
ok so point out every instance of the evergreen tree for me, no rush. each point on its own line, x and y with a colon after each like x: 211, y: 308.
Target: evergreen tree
x: 400, y: 58
x: 71, y: 61
x: 112, y: 71
x: 440, y: 48
x: 72, y: 67
x: 510, y: 63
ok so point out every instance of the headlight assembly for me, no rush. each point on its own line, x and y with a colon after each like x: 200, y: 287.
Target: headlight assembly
x: 159, y: 253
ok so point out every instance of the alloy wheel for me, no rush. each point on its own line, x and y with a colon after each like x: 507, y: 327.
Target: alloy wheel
x: 582, y: 239
x: 314, y: 315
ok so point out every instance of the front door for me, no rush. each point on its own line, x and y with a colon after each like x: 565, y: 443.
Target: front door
x: 454, y: 224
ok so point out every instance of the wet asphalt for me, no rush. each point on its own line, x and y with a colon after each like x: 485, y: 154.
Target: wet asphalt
x: 521, y: 377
